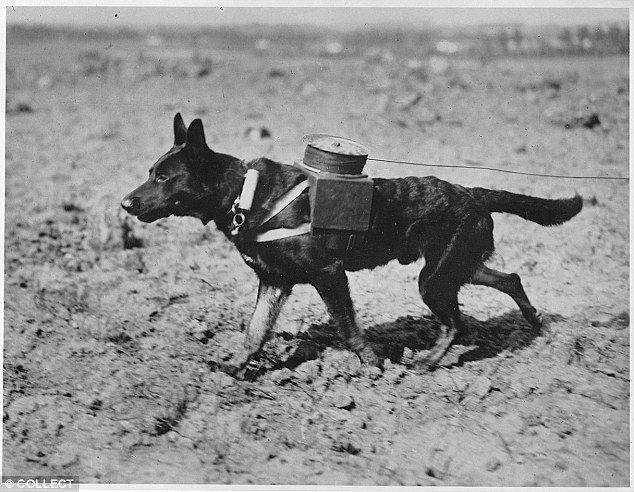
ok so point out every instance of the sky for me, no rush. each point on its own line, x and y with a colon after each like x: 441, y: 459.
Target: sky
x: 325, y: 16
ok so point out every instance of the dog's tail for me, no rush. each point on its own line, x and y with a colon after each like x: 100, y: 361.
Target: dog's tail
x: 544, y: 211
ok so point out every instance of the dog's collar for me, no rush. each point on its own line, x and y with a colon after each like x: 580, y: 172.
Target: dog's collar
x: 280, y: 204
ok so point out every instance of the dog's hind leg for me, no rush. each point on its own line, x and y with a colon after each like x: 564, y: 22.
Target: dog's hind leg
x: 510, y: 284
x: 442, y: 300
x: 333, y: 289
x: 443, y: 304
x: 446, y: 269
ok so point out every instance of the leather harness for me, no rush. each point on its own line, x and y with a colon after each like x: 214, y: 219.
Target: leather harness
x: 280, y: 204
x: 354, y: 240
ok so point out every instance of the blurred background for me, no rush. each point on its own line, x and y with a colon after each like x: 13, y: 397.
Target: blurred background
x: 473, y: 31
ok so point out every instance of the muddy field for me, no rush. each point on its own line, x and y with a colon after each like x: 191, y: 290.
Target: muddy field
x: 110, y: 324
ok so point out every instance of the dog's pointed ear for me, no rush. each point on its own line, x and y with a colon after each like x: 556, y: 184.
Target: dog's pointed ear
x: 196, y: 134
x: 180, y: 130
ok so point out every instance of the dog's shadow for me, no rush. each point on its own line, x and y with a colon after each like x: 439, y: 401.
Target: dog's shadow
x: 481, y: 339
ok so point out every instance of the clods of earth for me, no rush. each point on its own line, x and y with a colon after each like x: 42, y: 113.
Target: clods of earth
x: 110, y: 324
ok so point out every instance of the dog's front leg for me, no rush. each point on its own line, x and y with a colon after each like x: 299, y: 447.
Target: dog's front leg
x: 270, y: 300
x: 334, y: 291
x: 269, y: 303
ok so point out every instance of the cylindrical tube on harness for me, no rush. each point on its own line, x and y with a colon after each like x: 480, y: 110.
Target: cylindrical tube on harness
x: 248, y: 189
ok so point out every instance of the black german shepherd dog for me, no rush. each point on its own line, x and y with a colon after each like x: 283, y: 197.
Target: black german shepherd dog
x: 413, y: 217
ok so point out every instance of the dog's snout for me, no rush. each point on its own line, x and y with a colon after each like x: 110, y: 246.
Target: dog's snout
x: 128, y: 203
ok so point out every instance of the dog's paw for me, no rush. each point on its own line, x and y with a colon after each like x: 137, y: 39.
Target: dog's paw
x: 423, y: 366
x: 369, y: 358
x: 408, y: 358
x: 235, y: 371
x: 534, y: 318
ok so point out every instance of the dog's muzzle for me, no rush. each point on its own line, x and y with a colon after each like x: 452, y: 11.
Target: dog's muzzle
x: 129, y: 204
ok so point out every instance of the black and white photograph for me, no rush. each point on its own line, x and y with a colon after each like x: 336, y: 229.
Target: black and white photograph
x: 317, y: 246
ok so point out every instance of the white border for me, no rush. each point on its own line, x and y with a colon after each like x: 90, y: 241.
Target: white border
x: 546, y: 4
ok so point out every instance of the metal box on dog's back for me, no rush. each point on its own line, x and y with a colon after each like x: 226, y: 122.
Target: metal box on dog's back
x: 341, y: 204
x: 340, y: 196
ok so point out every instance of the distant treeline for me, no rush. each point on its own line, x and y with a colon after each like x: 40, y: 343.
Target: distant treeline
x: 485, y: 41
x: 599, y: 39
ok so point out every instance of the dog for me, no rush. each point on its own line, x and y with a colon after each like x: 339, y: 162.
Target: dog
x: 412, y: 217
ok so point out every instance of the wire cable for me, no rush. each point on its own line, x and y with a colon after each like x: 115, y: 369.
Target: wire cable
x: 496, y: 169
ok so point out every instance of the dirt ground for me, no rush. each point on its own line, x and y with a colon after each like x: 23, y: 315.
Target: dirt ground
x: 110, y: 324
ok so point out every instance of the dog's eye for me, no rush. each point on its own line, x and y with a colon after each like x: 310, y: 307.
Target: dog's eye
x: 161, y: 178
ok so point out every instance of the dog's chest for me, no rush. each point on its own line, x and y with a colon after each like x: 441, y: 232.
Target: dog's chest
x: 255, y: 262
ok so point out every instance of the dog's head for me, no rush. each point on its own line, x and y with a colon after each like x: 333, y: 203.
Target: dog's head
x: 178, y: 181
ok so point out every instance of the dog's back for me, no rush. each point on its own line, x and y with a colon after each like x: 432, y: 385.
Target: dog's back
x: 409, y: 213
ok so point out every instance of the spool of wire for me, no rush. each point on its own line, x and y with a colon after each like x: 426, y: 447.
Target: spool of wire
x: 332, y: 154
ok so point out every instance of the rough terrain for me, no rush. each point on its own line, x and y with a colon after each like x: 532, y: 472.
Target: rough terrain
x: 110, y: 323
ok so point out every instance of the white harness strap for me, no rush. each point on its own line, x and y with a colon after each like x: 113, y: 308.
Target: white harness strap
x: 275, y: 234
x: 285, y: 200
x: 280, y: 204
